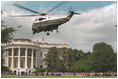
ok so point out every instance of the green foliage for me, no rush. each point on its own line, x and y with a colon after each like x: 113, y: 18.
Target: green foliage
x: 103, y: 57
x: 102, y: 48
x: 52, y: 60
x: 83, y: 65
x: 59, y: 59
x: 39, y: 69
x: 6, y: 34
x: 5, y: 69
x: 6, y: 37
x: 80, y: 66
x: 78, y: 54
x: 114, y: 62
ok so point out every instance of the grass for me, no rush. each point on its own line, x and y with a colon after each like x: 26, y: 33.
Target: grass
x: 29, y: 76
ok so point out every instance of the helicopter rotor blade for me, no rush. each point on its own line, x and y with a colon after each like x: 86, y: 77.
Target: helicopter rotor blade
x: 17, y: 5
x: 63, y: 2
x: 26, y: 15
x: 23, y: 15
x: 77, y: 13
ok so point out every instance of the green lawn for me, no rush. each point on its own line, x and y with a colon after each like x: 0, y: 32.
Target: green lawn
x: 28, y: 76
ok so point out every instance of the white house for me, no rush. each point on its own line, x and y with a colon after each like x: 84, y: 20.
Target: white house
x: 23, y: 55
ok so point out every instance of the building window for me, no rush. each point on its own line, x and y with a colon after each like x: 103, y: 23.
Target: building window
x: 29, y: 52
x: 29, y: 62
x: 22, y: 63
x: 16, y: 52
x: 15, y: 63
x: 34, y: 63
x: 22, y: 52
x: 34, y: 53
x: 10, y: 52
x: 41, y: 54
x: 9, y: 63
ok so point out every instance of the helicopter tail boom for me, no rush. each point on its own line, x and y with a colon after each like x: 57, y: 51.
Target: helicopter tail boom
x: 71, y: 14
x: 77, y: 13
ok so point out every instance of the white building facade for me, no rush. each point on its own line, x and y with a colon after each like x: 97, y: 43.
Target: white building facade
x: 23, y: 55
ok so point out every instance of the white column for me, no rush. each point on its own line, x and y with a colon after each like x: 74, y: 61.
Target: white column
x: 12, y: 60
x: 32, y: 60
x: 18, y: 58
x: 36, y: 58
x: 26, y: 58
x: 7, y: 58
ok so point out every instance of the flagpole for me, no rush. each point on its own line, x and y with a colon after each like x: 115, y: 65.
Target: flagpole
x: 19, y: 30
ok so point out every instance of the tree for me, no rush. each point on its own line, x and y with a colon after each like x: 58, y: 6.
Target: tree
x: 5, y: 69
x: 114, y: 62
x: 59, y: 59
x: 83, y: 64
x: 103, y: 57
x: 78, y: 54
x: 52, y: 60
x: 6, y: 32
x: 6, y: 37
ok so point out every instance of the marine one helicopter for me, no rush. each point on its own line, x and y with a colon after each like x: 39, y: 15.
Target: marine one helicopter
x: 46, y: 24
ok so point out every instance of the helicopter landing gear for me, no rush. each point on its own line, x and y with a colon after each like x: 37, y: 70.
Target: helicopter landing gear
x: 57, y: 31
x: 48, y: 33
x: 33, y: 32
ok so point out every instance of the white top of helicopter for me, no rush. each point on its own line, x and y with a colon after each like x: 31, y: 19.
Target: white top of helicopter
x: 48, y: 18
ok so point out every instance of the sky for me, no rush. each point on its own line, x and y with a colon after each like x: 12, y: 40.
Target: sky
x: 95, y: 24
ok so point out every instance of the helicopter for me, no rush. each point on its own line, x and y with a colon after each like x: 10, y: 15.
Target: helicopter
x: 46, y: 24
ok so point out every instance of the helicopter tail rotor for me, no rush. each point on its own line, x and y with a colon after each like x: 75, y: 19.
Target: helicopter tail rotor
x: 71, y: 10
x: 74, y: 12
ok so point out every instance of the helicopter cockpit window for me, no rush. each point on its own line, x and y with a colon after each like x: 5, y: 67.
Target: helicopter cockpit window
x: 40, y: 19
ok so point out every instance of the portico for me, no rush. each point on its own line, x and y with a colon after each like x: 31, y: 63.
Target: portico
x: 23, y: 55
x: 21, y: 58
